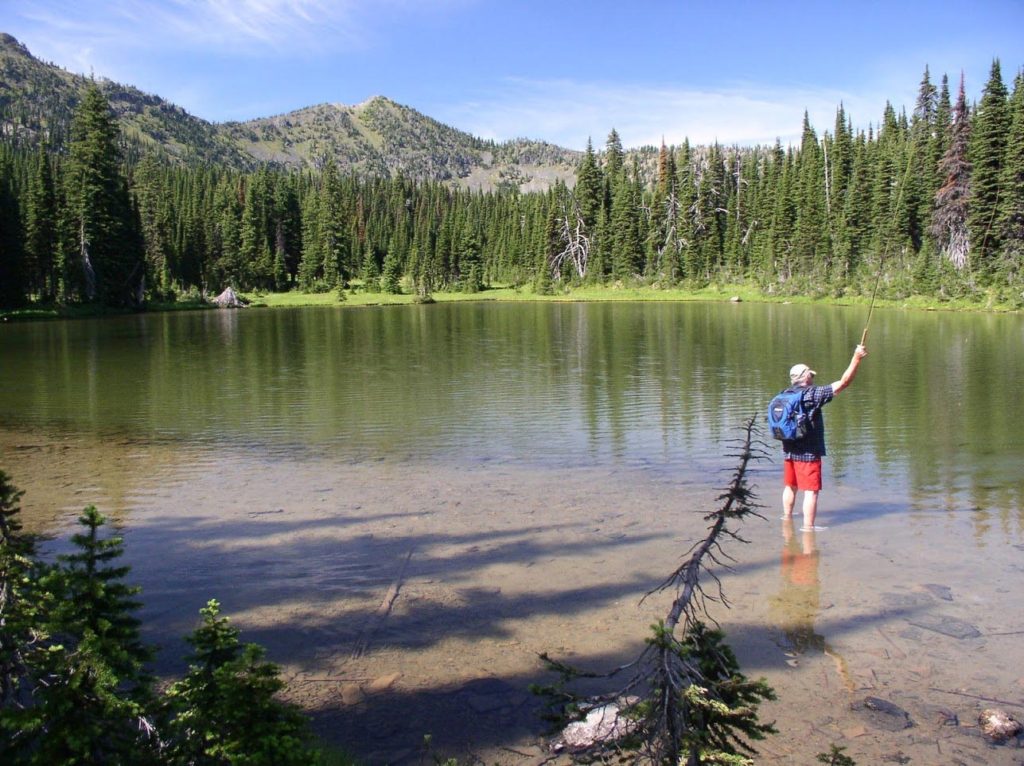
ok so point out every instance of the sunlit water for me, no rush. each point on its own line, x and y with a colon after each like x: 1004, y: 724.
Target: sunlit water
x: 520, y: 475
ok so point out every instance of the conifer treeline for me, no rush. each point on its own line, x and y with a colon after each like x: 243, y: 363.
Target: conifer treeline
x: 934, y: 202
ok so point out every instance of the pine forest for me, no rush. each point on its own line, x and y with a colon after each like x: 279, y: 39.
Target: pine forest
x: 929, y: 204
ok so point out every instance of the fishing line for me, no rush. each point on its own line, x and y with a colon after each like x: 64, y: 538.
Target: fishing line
x: 888, y: 240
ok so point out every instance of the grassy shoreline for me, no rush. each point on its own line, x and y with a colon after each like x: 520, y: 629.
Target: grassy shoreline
x: 359, y: 298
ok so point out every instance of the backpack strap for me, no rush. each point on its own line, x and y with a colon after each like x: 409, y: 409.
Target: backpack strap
x: 812, y: 411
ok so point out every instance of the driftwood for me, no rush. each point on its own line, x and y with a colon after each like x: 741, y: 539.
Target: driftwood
x: 229, y: 299
x: 981, y: 697
x: 383, y: 610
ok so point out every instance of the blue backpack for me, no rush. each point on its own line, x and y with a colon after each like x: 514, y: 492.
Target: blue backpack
x: 787, y: 418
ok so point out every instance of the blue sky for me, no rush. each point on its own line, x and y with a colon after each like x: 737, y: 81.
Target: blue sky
x: 736, y: 72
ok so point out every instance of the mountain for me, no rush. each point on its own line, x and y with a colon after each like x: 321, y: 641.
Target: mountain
x: 381, y: 137
x: 39, y: 99
x: 377, y: 137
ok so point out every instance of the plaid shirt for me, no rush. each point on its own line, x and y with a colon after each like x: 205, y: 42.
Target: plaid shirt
x: 812, y: 446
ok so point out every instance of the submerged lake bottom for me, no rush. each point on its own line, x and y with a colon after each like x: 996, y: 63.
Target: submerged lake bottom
x: 412, y: 597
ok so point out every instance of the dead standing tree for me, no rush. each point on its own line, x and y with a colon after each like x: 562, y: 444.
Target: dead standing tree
x: 685, y: 701
x: 571, y: 234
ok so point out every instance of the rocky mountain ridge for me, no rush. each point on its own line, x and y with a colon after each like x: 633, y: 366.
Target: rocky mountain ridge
x: 377, y: 137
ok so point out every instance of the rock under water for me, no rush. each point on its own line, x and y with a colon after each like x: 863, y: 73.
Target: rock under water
x: 998, y: 724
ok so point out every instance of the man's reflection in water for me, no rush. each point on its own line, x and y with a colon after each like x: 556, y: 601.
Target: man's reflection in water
x: 798, y: 600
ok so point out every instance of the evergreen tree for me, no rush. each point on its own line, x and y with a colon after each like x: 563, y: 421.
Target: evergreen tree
x: 730, y: 267
x: 810, y: 242
x: 21, y: 634
x: 840, y: 165
x: 194, y: 232
x: 225, y: 712
x: 599, y: 266
x: 770, y: 169
x: 724, y: 706
x: 425, y: 271
x: 675, y: 230
x: 93, y: 709
x: 287, y: 230
x: 544, y: 240
x: 311, y: 265
x: 615, y: 157
x: 256, y: 251
x: 921, y: 178
x: 857, y: 219
x: 784, y: 213
x: 905, y: 240
x: 657, y: 230
x: 41, y: 241
x: 721, y: 191
x: 391, y: 274
x: 445, y: 260
x: 887, y: 159
x: 989, y: 129
x: 370, y: 271
x: 626, y: 244
x: 154, y: 211
x: 710, y: 216
x: 108, y: 268
x: 743, y: 212
x: 941, y: 132
x: 13, y: 286
x: 334, y: 242
x: 228, y: 269
x: 685, y: 235
x: 1010, y: 216
x: 470, y: 266
x: 588, y: 188
x: 66, y: 256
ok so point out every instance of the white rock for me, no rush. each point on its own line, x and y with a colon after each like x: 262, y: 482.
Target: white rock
x: 998, y: 725
x: 601, y: 724
x: 229, y: 299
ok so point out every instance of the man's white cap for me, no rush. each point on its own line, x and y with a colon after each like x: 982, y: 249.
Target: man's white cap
x: 797, y: 371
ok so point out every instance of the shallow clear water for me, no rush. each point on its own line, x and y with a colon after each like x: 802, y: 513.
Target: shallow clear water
x: 521, y: 474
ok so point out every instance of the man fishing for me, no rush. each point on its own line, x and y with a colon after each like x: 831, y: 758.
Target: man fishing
x: 802, y: 457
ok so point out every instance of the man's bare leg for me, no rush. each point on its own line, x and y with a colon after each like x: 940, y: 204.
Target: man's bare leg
x: 788, y: 501
x: 810, y: 507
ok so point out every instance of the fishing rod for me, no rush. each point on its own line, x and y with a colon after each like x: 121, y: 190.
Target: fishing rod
x: 871, y: 308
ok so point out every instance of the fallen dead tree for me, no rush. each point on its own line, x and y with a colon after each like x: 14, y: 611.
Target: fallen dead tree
x: 684, y: 699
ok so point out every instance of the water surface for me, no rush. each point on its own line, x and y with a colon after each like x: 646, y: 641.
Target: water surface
x: 516, y: 476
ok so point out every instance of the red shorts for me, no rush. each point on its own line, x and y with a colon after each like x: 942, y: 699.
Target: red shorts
x: 796, y: 473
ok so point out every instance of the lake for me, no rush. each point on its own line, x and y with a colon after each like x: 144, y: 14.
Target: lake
x: 406, y: 505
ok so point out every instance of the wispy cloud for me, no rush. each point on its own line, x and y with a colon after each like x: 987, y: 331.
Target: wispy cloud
x: 254, y: 25
x: 569, y: 113
x: 232, y: 26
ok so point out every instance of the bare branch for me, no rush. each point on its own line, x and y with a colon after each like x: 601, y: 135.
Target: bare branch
x: 572, y: 233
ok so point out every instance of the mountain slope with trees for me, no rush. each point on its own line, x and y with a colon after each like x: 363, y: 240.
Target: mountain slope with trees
x: 377, y: 137
x: 928, y: 204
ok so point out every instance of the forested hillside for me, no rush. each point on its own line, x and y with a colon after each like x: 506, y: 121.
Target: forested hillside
x: 378, y: 137
x: 931, y: 201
